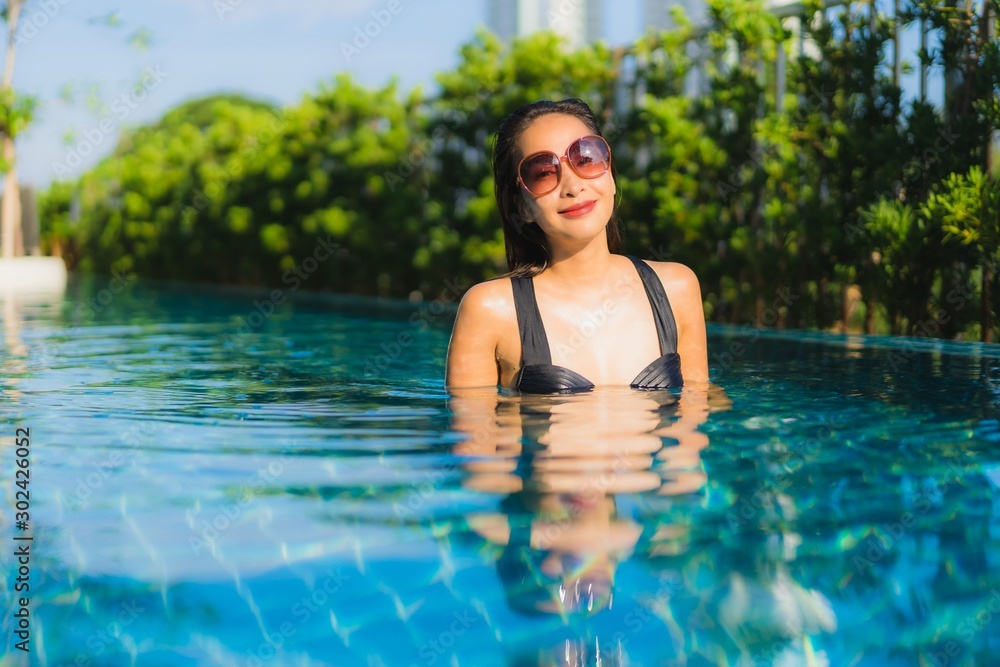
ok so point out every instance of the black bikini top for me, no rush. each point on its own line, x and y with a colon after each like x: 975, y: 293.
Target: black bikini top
x: 537, y: 374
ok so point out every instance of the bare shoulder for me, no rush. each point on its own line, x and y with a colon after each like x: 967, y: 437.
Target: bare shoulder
x: 491, y: 300
x: 680, y: 282
x: 481, y: 327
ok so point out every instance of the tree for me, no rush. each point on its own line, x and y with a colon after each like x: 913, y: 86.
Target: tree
x: 805, y: 198
x: 17, y: 112
x: 15, y: 115
x: 968, y: 208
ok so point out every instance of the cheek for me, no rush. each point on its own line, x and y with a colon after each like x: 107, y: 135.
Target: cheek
x: 537, y: 208
x: 528, y: 208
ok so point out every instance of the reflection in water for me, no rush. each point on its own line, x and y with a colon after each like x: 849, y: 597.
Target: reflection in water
x: 838, y: 517
x: 562, y: 461
x: 13, y: 304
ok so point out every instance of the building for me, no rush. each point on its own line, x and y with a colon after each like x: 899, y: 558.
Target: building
x: 658, y: 13
x: 658, y: 16
x: 578, y: 21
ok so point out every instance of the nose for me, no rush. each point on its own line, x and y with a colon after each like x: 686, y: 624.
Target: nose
x: 570, y: 183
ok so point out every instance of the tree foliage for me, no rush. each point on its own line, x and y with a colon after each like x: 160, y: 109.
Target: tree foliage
x: 808, y: 190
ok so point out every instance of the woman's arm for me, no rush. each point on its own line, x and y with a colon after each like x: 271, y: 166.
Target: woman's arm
x: 472, y: 352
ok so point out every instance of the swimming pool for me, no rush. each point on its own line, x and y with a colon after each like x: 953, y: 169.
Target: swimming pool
x: 213, y: 488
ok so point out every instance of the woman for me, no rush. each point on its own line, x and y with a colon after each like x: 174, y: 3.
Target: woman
x: 572, y: 313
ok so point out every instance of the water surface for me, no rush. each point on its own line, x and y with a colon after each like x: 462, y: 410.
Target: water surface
x: 210, y: 487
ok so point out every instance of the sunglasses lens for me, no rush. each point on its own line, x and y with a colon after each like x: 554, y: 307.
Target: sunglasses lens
x: 540, y: 173
x: 589, y: 157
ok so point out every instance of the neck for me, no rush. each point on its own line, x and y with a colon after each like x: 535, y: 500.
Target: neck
x: 584, y: 265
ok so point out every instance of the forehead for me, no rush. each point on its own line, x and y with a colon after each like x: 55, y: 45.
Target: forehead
x: 552, y: 132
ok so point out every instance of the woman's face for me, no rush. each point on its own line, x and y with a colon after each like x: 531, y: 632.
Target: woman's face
x: 578, y: 208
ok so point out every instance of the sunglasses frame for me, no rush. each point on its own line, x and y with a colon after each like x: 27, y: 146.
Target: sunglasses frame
x: 559, y: 160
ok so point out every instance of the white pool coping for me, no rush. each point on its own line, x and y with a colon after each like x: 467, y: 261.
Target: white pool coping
x: 27, y: 275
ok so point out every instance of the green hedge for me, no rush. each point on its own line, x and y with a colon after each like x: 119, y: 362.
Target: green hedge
x: 840, y: 187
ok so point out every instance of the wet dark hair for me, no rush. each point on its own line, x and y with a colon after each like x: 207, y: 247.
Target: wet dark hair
x: 527, y: 249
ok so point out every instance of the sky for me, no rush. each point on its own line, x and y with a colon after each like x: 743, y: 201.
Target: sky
x: 274, y: 50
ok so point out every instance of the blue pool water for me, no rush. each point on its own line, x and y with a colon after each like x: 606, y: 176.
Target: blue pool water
x: 303, y: 491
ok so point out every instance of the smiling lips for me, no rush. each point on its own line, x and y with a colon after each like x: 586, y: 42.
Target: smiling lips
x: 578, y: 210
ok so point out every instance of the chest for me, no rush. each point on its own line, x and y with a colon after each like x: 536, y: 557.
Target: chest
x: 608, y: 341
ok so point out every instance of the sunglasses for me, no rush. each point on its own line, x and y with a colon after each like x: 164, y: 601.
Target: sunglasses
x: 588, y: 157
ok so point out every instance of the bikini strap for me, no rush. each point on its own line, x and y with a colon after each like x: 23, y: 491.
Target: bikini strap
x: 663, y: 314
x: 534, y: 343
